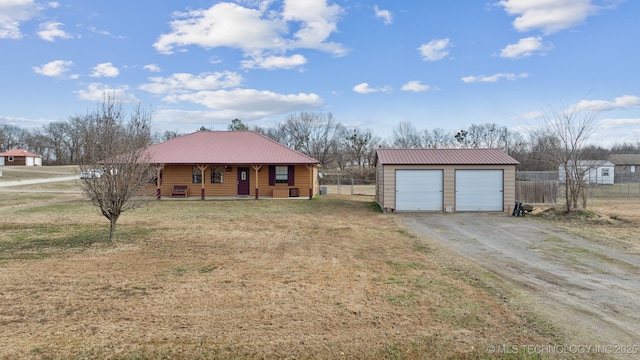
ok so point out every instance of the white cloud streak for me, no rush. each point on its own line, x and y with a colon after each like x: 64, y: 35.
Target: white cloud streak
x: 260, y: 32
x: 494, y: 78
x: 274, y: 62
x: 153, y: 68
x: 434, y: 50
x: 96, y: 92
x: 524, y: 48
x: 385, y: 15
x: 184, y: 82
x: 49, y: 31
x: 12, y: 14
x: 57, y: 68
x: 105, y: 70
x: 415, y: 86
x: 264, y: 102
x: 621, y: 102
x: 549, y: 16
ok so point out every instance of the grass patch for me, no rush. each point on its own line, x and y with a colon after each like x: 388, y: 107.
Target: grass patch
x: 328, y: 278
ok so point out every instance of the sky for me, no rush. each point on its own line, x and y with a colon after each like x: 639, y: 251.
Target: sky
x: 371, y: 64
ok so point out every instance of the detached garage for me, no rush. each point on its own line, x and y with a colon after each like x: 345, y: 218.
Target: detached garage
x: 445, y: 180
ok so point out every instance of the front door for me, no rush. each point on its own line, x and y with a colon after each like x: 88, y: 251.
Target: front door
x: 243, y: 181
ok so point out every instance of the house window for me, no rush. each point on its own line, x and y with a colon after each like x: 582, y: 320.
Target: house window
x: 282, y: 174
x: 633, y: 168
x: 217, y: 175
x: 605, y: 172
x: 196, y: 175
x: 10, y: 158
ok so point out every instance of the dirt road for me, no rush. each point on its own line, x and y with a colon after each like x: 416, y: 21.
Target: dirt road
x: 589, y: 290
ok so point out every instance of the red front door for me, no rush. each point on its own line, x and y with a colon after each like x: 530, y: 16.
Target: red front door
x: 243, y: 181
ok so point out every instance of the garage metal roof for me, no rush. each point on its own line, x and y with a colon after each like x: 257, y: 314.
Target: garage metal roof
x: 444, y: 157
x: 225, y: 147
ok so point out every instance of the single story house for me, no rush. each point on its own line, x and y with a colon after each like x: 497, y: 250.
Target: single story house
x: 594, y: 171
x: 20, y: 157
x: 445, y: 180
x: 626, y: 165
x: 231, y: 163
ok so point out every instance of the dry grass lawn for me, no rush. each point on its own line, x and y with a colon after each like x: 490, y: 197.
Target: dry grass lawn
x: 326, y: 278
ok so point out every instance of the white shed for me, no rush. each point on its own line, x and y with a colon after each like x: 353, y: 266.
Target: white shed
x: 594, y: 171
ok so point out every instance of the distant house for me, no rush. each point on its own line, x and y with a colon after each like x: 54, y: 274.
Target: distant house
x: 20, y: 157
x: 231, y: 163
x: 594, y: 171
x: 626, y: 163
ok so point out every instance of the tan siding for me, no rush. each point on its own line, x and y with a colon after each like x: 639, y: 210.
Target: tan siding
x: 388, y: 186
x: 181, y: 174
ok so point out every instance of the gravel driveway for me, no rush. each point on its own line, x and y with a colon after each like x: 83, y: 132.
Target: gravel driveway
x: 590, y: 290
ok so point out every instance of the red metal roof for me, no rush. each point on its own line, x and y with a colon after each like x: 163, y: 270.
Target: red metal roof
x: 19, y: 152
x: 444, y: 157
x: 225, y: 147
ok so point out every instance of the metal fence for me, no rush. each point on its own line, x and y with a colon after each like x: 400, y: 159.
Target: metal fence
x: 629, y: 189
x: 348, y: 186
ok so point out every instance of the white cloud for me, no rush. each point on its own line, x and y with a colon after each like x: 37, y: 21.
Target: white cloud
x: 56, y: 68
x: 152, y: 67
x: 183, y: 82
x: 614, y: 123
x: 363, y: 88
x: 621, y: 102
x: 49, y: 31
x: 384, y: 15
x: 255, y: 30
x: 494, y: 77
x: 105, y: 70
x: 54, y: 4
x: 274, y: 62
x: 524, y: 48
x: 415, y: 86
x: 12, y: 14
x: 548, y: 15
x: 533, y: 115
x: 97, y: 91
x: 434, y: 50
x: 263, y: 102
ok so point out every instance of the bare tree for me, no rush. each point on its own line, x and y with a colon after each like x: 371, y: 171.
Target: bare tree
x: 117, y: 163
x: 572, y: 127
x: 357, y: 146
x: 315, y: 134
x: 405, y: 136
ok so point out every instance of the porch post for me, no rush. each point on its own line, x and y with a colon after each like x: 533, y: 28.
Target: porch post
x: 257, y: 168
x: 202, y: 169
x: 158, y: 182
x: 310, y: 181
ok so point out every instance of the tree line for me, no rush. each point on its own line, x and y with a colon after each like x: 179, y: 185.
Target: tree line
x: 321, y: 136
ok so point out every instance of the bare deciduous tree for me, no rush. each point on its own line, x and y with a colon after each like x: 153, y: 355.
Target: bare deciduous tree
x: 572, y: 128
x: 115, y: 146
x: 406, y: 136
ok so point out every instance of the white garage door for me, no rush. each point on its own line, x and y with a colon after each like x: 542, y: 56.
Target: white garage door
x: 479, y: 190
x: 419, y: 190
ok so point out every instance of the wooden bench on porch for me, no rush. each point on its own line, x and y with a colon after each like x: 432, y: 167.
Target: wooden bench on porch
x: 180, y: 191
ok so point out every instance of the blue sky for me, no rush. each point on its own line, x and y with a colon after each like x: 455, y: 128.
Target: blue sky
x: 438, y: 64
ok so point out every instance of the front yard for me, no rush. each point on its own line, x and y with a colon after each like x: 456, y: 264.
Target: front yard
x: 326, y: 278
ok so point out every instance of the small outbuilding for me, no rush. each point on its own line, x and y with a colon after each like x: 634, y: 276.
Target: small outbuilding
x: 593, y: 171
x: 20, y: 157
x: 445, y: 180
